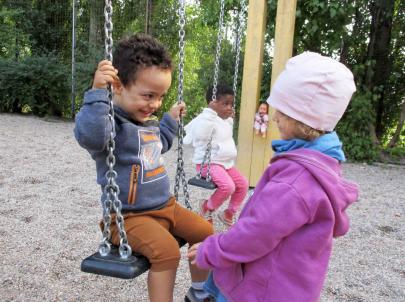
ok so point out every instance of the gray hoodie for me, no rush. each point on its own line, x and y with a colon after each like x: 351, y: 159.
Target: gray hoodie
x: 141, y: 176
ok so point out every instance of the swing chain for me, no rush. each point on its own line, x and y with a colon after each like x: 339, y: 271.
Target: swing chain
x: 241, y: 25
x: 206, y: 160
x: 111, y: 190
x: 182, y: 32
x: 207, y: 156
x: 180, y: 173
x: 108, y: 27
x: 218, y: 51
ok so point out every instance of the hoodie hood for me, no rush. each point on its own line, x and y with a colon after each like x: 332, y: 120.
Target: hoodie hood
x: 327, y: 172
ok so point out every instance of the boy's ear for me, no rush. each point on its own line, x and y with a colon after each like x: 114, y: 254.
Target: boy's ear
x: 117, y: 86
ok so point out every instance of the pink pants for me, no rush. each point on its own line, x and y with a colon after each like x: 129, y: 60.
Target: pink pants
x: 230, y: 183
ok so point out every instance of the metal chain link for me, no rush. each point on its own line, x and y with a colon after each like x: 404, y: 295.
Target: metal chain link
x: 207, y: 160
x: 239, y: 33
x: 180, y: 172
x: 218, y: 51
x: 108, y: 27
x: 182, y: 33
x: 112, y: 190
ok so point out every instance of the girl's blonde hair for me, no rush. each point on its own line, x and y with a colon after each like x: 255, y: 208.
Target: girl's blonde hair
x: 303, y: 131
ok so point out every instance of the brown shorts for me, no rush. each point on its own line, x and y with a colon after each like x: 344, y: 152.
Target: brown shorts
x: 151, y: 233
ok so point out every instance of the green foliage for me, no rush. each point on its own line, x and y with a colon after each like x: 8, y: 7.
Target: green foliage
x: 40, y: 84
x: 87, y: 59
x: 354, y: 130
x: 13, y: 35
x: 396, y: 152
x: 320, y: 25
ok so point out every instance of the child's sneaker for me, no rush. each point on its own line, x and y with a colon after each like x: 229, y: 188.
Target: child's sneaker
x: 195, y: 295
x: 205, y: 212
x: 226, y: 218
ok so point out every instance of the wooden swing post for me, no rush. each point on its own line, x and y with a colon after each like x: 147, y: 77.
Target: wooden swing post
x: 254, y: 152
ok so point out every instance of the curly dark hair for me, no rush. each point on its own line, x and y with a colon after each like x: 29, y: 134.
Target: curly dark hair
x: 136, y: 52
x: 222, y: 89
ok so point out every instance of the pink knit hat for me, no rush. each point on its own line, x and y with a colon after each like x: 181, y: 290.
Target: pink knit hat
x: 314, y: 90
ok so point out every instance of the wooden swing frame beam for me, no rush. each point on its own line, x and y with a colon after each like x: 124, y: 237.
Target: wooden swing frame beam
x: 254, y: 152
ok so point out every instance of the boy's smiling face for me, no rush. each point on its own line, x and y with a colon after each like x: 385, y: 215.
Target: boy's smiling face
x: 144, y: 96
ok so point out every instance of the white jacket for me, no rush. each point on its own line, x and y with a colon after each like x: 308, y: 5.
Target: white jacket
x: 199, y: 131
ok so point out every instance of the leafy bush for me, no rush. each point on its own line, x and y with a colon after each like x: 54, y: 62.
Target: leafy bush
x: 41, y: 84
x: 354, y: 131
x: 396, y: 152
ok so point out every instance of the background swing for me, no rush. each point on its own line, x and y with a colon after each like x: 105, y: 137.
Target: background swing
x: 120, y: 261
x: 205, y: 181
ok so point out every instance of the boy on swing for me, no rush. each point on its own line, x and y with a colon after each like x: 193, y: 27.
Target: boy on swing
x: 141, y: 76
x: 215, y: 124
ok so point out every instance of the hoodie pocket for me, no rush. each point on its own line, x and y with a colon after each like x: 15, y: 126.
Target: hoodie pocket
x: 133, y: 184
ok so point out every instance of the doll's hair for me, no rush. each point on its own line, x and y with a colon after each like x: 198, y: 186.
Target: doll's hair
x: 263, y: 103
x: 303, y: 131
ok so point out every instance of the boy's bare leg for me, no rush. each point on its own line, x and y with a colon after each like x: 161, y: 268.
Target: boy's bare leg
x: 161, y: 285
x: 197, y: 275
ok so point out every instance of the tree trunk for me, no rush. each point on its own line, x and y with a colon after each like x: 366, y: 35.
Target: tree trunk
x: 400, y: 125
x: 378, y: 51
x: 347, y: 41
x: 148, y: 17
x: 96, y: 26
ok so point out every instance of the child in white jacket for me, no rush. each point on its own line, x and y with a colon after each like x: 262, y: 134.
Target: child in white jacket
x: 216, y: 122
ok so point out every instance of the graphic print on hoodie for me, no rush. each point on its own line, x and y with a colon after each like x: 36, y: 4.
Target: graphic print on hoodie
x: 150, y: 155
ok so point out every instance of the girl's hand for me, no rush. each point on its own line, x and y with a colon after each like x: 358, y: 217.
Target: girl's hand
x: 105, y: 74
x: 178, y: 110
x: 192, y: 253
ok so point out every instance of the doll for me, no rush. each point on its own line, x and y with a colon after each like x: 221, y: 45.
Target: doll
x: 262, y: 120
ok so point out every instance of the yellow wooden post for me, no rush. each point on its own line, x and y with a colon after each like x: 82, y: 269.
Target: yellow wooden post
x: 284, y: 38
x: 252, y: 76
x: 253, y: 151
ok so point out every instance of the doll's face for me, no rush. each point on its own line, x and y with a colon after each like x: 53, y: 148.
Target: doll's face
x: 263, y: 109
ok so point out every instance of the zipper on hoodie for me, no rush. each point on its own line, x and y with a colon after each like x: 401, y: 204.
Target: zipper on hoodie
x: 133, y: 184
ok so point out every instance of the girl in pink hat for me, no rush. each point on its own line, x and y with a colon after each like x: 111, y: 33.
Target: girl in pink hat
x: 280, y: 247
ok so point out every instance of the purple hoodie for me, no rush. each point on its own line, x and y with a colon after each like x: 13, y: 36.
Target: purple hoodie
x: 280, y: 247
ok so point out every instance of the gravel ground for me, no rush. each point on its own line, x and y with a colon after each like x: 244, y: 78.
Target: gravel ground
x: 49, y: 211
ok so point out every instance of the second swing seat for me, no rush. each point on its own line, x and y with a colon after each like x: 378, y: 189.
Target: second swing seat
x: 202, y: 182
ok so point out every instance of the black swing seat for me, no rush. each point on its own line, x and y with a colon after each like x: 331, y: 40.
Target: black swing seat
x: 202, y: 182
x: 113, y: 265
